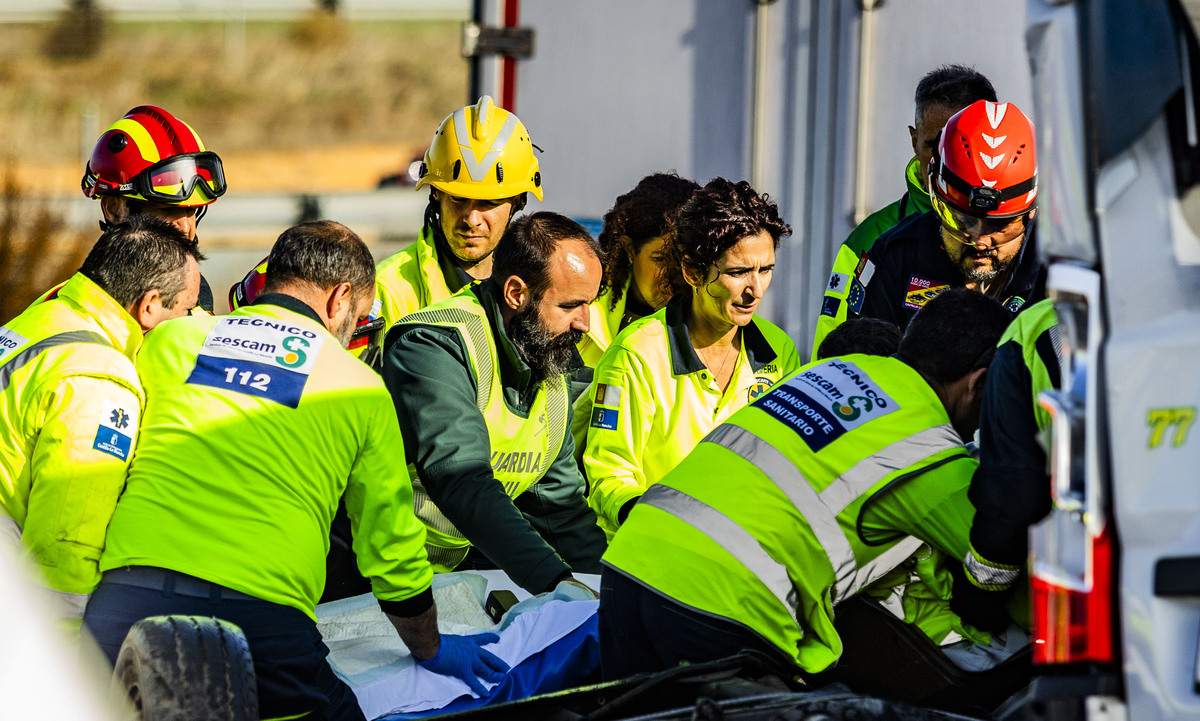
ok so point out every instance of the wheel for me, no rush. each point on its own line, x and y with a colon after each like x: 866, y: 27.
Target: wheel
x: 187, y: 668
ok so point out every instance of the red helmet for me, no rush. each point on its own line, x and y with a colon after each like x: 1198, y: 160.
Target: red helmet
x: 246, y: 291
x: 983, y: 174
x: 152, y: 156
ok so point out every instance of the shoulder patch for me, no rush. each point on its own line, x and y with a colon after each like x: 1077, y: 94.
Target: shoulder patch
x: 921, y: 291
x: 830, y: 306
x: 118, y: 426
x: 605, y: 418
x: 865, y: 270
x: 837, y: 283
x: 607, y: 395
x: 856, y: 296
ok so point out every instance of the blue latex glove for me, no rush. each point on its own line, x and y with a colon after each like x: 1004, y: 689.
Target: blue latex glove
x: 462, y: 656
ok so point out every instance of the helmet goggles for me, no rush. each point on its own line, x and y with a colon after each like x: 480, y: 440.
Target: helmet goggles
x: 174, y: 180
x: 967, y: 228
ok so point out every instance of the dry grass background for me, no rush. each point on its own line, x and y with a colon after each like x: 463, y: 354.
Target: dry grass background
x: 313, y: 105
x: 347, y: 99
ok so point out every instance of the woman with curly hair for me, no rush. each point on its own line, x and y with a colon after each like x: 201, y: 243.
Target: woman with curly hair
x: 632, y: 239
x: 671, y: 377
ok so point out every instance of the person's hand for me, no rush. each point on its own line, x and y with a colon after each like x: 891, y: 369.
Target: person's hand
x: 985, y: 610
x: 571, y: 580
x: 464, y: 657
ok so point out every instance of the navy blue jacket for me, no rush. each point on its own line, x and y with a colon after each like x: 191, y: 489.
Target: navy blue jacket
x: 911, y: 266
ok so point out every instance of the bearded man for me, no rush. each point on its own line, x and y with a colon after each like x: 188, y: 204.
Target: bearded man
x: 481, y: 387
x: 980, y: 234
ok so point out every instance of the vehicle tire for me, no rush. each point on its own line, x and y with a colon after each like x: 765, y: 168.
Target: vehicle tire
x: 187, y: 668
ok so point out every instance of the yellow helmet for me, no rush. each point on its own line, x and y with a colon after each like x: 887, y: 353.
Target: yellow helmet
x: 481, y: 152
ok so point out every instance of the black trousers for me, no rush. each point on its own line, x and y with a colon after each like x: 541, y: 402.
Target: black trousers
x: 641, y: 631
x: 289, y: 656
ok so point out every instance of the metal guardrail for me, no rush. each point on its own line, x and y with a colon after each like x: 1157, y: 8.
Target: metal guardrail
x: 387, y: 214
x: 236, y: 10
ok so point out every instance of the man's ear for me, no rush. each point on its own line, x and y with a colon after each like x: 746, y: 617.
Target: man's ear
x: 339, y: 298
x: 976, y: 380
x: 114, y: 208
x: 145, y: 310
x: 912, y: 137
x: 515, y: 292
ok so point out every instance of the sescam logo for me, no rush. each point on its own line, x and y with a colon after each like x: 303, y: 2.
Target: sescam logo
x: 295, y: 356
x: 257, y: 356
x: 827, y: 400
x: 853, y: 407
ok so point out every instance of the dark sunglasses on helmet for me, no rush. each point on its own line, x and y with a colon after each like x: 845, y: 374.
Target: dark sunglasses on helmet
x: 175, y: 179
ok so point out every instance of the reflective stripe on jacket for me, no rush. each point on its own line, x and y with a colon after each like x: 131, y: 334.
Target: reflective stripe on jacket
x: 653, y: 400
x: 522, y: 448
x: 821, y: 487
x: 70, y: 401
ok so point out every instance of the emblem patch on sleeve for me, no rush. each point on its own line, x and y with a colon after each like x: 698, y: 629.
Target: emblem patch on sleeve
x: 837, y: 283
x: 830, y: 306
x: 118, y: 426
x: 921, y: 291
x: 856, y: 296
x: 605, y: 418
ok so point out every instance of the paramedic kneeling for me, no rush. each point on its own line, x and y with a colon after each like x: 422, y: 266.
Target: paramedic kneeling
x: 796, y: 503
x: 255, y: 424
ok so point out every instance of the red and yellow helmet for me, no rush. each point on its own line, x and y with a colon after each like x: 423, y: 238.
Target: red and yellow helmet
x: 481, y: 152
x: 983, y: 174
x: 151, y: 156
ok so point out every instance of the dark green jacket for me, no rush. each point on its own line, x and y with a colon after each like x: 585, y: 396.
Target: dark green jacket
x: 546, y: 532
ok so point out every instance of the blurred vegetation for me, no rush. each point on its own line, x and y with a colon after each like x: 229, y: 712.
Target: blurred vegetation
x: 77, y: 32
x: 36, y: 249
x: 317, y: 82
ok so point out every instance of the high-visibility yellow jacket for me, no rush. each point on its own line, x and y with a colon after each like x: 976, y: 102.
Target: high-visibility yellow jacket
x: 653, y: 399
x: 824, y: 485
x: 256, y: 423
x: 411, y: 279
x: 604, y: 325
x: 69, y: 407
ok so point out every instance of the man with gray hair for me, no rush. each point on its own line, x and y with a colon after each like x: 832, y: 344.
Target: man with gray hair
x: 70, y: 398
x: 256, y: 424
x: 941, y: 93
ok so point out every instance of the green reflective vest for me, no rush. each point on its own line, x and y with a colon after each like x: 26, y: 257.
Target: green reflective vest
x: 802, y: 500
x: 70, y: 400
x: 522, y: 447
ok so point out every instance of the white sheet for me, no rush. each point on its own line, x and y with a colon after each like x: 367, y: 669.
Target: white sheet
x: 366, y: 652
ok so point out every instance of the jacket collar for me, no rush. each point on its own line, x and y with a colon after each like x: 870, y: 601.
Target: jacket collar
x: 685, y: 360
x: 288, y: 302
x: 123, y: 331
x: 918, y: 193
